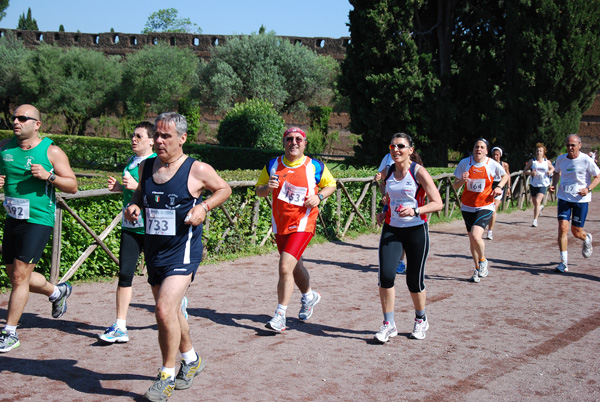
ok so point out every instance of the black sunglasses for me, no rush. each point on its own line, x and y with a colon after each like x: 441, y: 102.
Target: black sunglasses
x: 23, y: 119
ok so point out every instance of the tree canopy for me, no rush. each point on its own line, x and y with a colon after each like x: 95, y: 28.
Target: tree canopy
x: 3, y: 6
x: 448, y: 72
x: 166, y: 20
x: 27, y: 23
x: 76, y: 82
x: 264, y: 66
x: 156, y: 77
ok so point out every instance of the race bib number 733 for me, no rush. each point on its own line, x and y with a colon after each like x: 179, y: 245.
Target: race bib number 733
x: 160, y: 222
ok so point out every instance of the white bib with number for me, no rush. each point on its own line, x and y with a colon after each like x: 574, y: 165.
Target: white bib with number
x: 476, y: 185
x: 570, y: 189
x: 160, y: 222
x: 131, y: 225
x: 17, y: 208
x: 292, y: 194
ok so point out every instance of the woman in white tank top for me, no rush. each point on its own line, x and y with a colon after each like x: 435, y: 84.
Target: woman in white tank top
x: 540, y: 169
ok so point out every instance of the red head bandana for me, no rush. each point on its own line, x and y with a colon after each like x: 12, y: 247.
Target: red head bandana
x: 294, y: 130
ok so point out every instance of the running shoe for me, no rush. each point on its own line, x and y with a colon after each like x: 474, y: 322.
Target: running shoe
x: 187, y: 372
x: 386, y: 332
x: 490, y: 236
x: 483, y: 269
x: 587, y: 246
x: 541, y: 210
x: 475, y: 277
x: 534, y: 223
x: 59, y: 306
x: 421, y: 326
x: 401, y: 268
x: 8, y: 341
x: 114, y: 334
x: 562, y: 267
x: 306, y: 310
x: 161, y: 389
x: 277, y: 323
x: 184, y: 304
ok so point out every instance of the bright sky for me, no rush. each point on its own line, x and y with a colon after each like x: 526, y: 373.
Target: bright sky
x: 307, y: 18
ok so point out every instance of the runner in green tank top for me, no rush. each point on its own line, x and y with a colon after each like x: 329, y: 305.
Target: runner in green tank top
x: 132, y: 235
x: 31, y: 168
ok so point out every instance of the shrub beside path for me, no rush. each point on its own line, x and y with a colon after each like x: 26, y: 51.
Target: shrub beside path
x: 524, y: 332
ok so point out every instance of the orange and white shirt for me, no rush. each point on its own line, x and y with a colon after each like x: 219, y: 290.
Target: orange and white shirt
x: 477, y: 194
x: 297, y: 181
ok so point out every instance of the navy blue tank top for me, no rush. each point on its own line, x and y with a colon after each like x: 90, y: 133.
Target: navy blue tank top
x: 168, y: 241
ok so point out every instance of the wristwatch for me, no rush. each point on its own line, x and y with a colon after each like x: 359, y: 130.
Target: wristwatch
x: 417, y: 212
x: 52, y: 177
x: 320, y: 196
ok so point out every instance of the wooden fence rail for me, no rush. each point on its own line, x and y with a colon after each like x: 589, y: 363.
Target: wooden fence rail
x: 367, y: 215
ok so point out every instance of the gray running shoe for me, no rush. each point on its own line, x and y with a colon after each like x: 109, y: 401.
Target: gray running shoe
x: 587, y: 246
x: 184, y: 304
x: 386, y: 332
x: 161, y: 389
x: 187, y: 372
x: 475, y: 277
x: 562, y: 267
x: 419, y: 329
x: 8, y: 341
x: 277, y: 323
x: 483, y: 269
x: 59, y: 306
x: 307, y: 307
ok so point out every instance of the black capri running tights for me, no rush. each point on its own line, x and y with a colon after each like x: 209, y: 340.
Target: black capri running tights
x: 415, y: 240
x: 132, y: 245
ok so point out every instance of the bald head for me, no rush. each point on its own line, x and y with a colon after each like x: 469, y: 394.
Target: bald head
x: 29, y: 111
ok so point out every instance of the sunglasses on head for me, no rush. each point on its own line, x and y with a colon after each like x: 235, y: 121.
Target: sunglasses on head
x: 23, y: 119
x: 298, y: 140
x: 399, y: 146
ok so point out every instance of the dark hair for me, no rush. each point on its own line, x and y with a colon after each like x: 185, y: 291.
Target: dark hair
x: 487, y: 144
x: 149, y: 127
x: 405, y: 136
x: 416, y: 158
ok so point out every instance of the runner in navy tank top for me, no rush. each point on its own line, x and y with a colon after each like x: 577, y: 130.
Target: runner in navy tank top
x: 170, y: 191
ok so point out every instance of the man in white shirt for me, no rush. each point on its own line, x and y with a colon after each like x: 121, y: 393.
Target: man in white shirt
x: 575, y: 171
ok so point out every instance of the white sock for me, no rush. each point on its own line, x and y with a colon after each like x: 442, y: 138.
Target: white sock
x: 170, y: 371
x: 122, y: 324
x: 308, y: 296
x: 11, y: 329
x: 54, y: 294
x: 564, y: 256
x: 189, y: 356
x: 281, y: 309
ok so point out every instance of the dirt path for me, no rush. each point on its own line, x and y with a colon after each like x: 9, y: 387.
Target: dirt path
x: 524, y: 332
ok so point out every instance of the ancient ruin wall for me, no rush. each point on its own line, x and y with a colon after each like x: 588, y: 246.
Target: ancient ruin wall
x: 117, y: 43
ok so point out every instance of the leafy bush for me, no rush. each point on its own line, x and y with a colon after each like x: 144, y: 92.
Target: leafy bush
x: 252, y: 124
x: 190, y: 108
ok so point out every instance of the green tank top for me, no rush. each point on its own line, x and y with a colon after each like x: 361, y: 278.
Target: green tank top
x: 132, y: 169
x: 26, y: 197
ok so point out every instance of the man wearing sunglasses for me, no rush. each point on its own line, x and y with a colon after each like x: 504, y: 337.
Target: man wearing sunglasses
x: 575, y: 171
x: 299, y: 185
x: 31, y: 168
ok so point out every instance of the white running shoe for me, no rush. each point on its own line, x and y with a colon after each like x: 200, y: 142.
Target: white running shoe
x: 541, y: 210
x: 534, y: 223
x: 386, y: 332
x: 490, y: 236
x: 475, y: 277
x: 277, y: 323
x: 562, y: 267
x: 587, y: 246
x: 419, y: 330
x: 483, y: 269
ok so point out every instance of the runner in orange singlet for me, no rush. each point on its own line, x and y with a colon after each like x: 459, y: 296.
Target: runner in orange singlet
x: 477, y: 173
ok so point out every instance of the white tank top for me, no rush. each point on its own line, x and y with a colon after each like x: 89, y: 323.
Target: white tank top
x: 541, y: 178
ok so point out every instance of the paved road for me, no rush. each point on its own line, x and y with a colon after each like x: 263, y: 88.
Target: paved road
x: 524, y: 332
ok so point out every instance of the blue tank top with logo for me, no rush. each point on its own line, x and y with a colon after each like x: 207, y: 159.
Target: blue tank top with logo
x: 168, y: 240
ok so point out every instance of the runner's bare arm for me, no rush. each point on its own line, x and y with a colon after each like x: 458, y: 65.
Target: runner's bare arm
x: 203, y: 176
x: 65, y: 180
